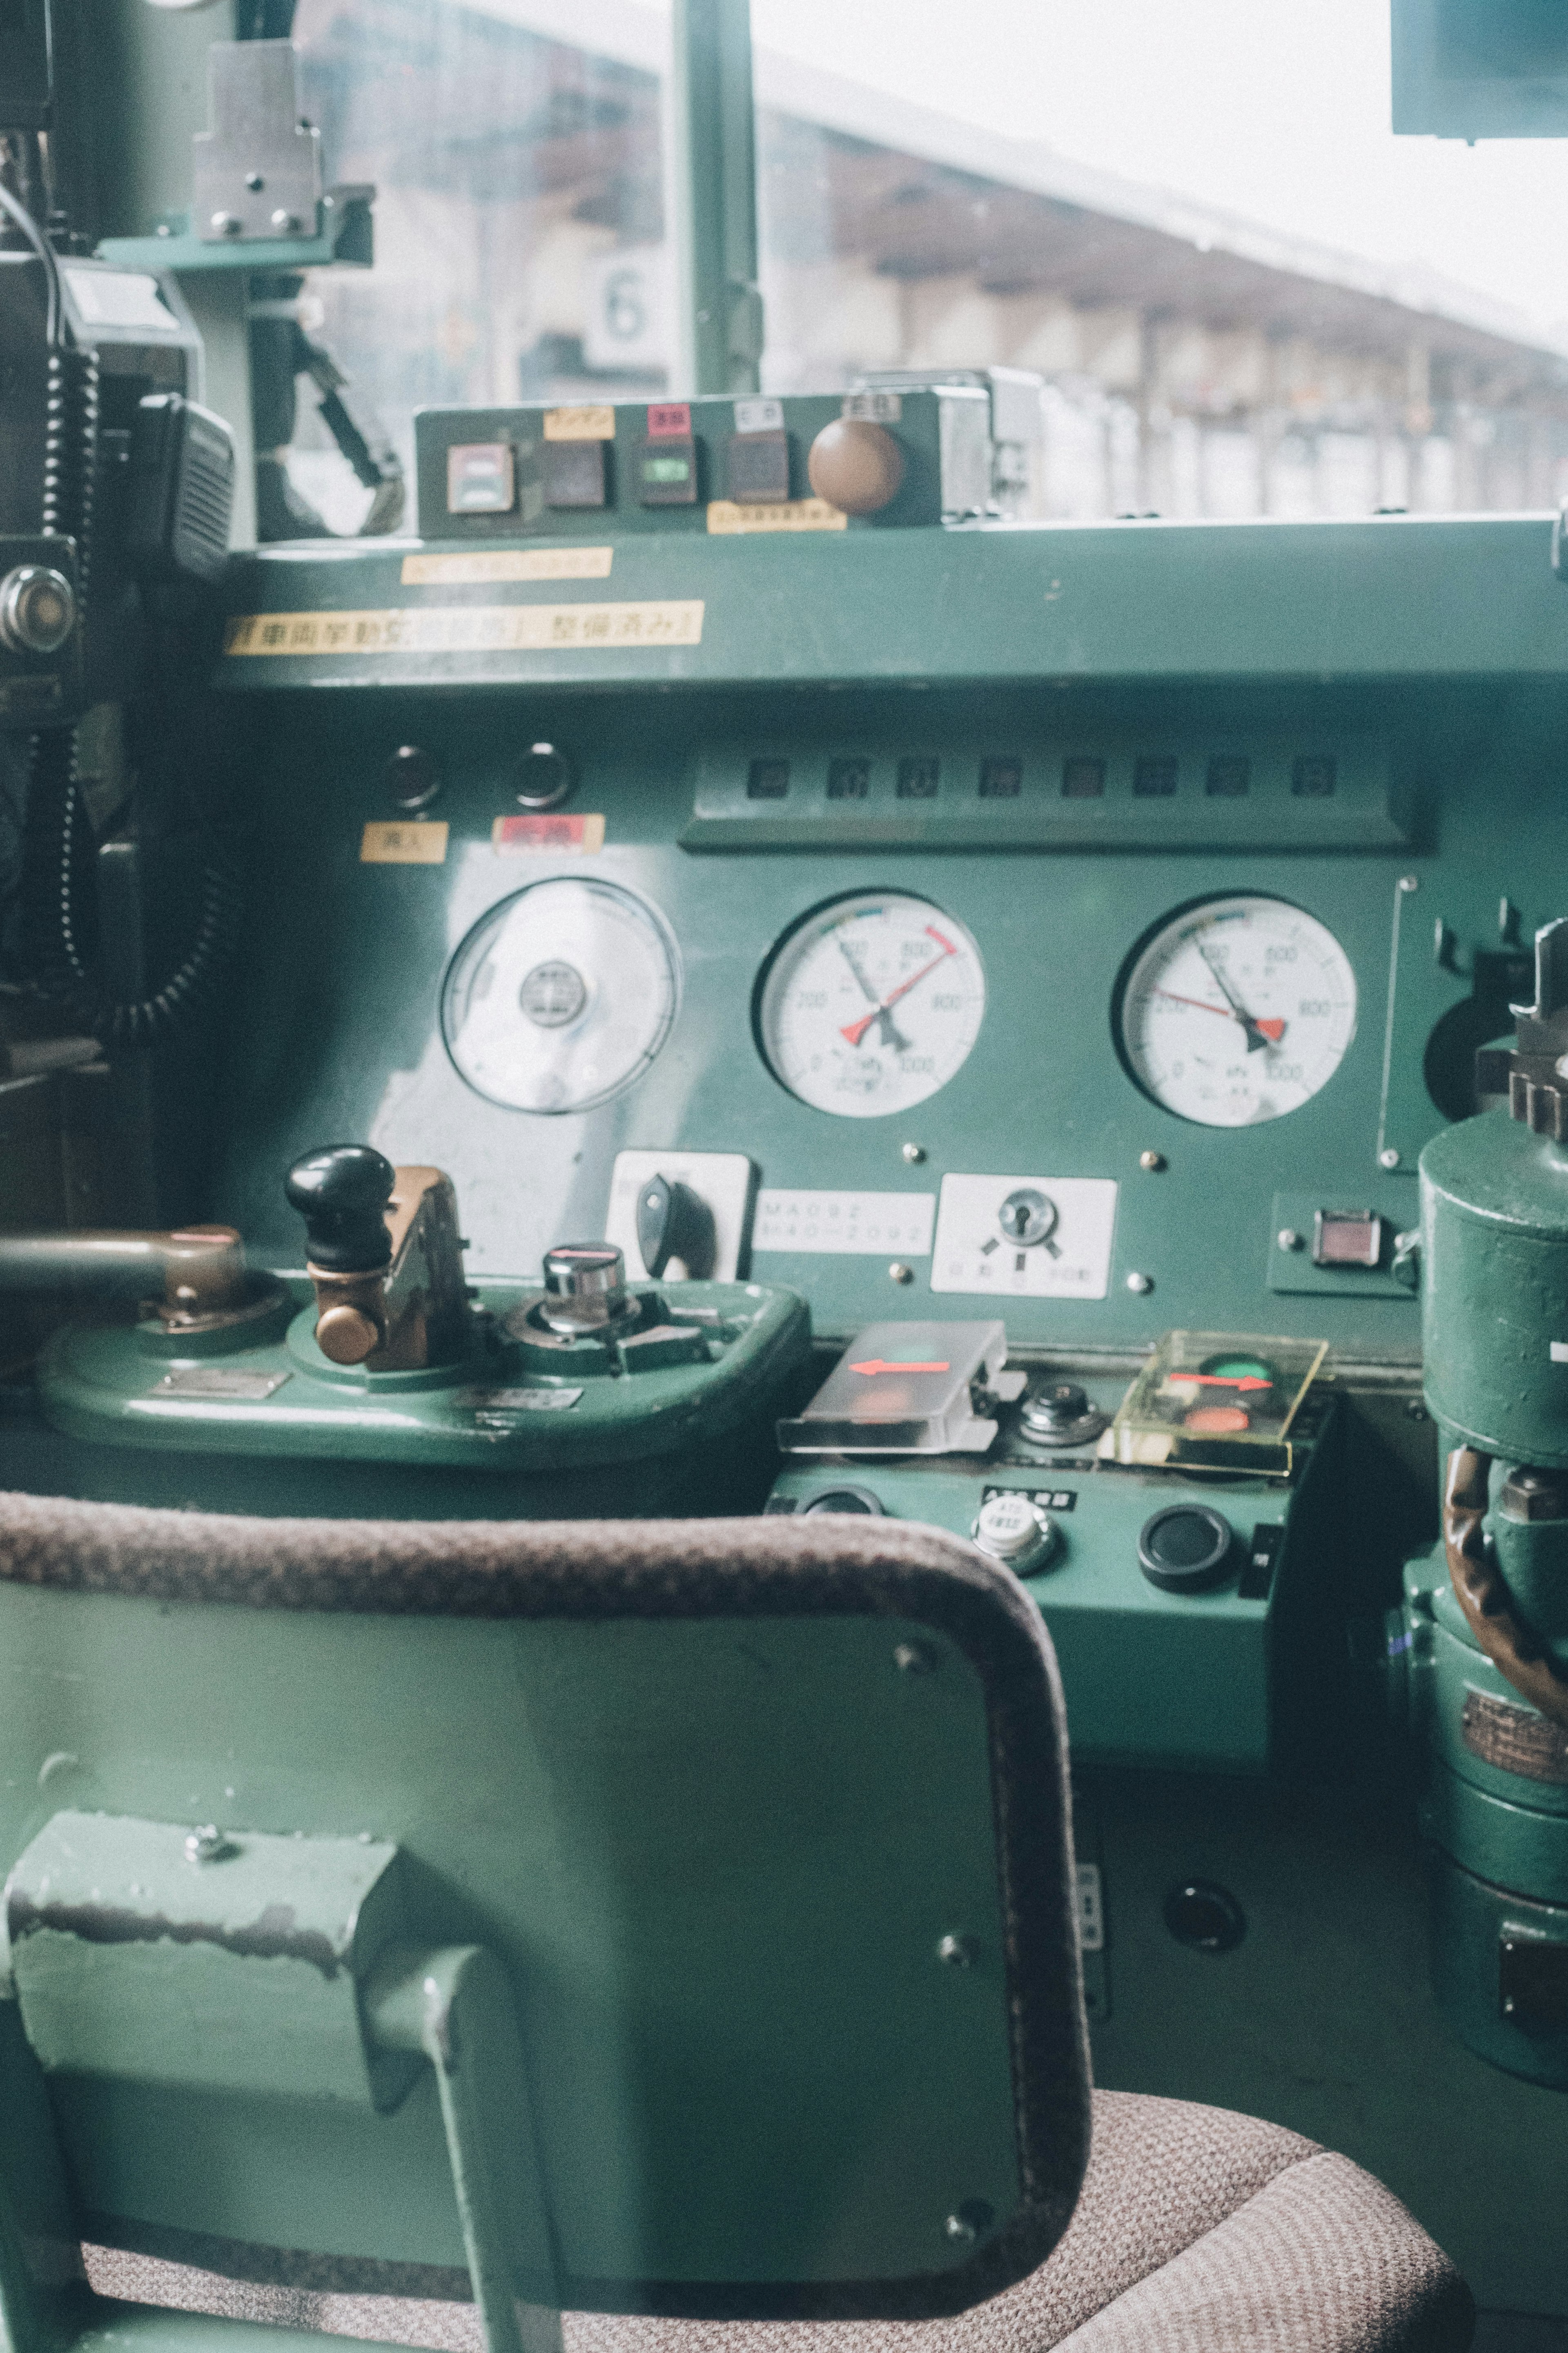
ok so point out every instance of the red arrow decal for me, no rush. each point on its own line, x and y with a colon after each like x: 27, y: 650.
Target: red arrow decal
x: 873, y: 1364
x: 1225, y: 1380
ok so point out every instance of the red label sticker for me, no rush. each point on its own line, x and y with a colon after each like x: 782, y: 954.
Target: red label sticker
x: 669, y: 420
x: 544, y: 831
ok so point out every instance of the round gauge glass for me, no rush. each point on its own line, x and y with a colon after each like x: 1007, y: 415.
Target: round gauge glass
x: 1238, y: 1012
x: 561, y: 997
x: 870, y: 1004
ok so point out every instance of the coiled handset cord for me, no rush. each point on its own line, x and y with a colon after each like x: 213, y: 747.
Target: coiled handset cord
x: 56, y: 811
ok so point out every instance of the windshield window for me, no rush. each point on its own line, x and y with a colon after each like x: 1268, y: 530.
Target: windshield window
x: 1242, y: 293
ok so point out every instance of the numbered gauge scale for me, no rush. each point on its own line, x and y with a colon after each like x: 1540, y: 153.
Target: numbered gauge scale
x: 870, y: 1004
x: 561, y: 997
x: 1237, y: 1012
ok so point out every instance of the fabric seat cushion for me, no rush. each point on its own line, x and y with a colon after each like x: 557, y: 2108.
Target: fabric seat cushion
x: 1195, y: 2229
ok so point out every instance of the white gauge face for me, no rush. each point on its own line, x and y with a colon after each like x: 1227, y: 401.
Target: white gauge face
x: 1238, y: 1011
x: 871, y: 1004
x: 560, y: 996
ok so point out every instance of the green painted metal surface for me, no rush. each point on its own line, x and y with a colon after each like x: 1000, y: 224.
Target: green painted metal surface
x: 1395, y: 598
x: 544, y: 1785
x: 495, y: 1415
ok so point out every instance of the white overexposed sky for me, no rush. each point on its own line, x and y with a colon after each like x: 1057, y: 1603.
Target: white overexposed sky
x: 1277, y: 110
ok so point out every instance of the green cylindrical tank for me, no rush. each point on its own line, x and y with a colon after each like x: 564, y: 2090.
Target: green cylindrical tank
x: 1494, y: 1312
x: 1494, y: 1285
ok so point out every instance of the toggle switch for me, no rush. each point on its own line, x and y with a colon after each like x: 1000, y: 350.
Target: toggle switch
x: 674, y: 1222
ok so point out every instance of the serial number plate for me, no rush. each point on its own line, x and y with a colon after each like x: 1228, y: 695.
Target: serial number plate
x: 516, y: 1400
x: 218, y: 1381
x: 844, y: 1223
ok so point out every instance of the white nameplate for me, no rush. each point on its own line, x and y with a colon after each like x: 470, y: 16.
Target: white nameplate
x: 853, y: 1223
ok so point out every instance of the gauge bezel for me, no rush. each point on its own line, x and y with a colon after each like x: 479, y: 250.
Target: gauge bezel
x: 792, y: 931
x: 1140, y: 947
x: 492, y: 916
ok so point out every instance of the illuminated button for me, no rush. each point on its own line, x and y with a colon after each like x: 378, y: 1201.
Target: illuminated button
x: 1016, y: 1532
x: 481, y: 478
x: 1185, y: 1547
x: 666, y: 471
x: 575, y: 473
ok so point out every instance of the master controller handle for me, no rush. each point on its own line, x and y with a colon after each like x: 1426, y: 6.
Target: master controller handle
x: 342, y: 1195
x: 385, y: 1254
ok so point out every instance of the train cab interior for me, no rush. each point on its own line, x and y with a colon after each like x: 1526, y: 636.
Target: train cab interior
x: 745, y: 1607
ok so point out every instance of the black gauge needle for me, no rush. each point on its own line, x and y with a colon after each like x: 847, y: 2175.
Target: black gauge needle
x: 892, y: 1036
x: 1259, y: 1034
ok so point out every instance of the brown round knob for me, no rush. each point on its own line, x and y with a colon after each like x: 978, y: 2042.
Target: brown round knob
x: 855, y: 466
x: 347, y: 1335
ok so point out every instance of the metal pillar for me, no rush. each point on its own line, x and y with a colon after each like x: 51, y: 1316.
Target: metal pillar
x: 712, y: 179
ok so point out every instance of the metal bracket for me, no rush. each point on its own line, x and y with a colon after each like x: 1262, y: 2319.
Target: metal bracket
x: 454, y: 2005
x: 257, y: 172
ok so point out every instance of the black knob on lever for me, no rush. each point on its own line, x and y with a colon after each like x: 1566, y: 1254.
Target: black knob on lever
x: 674, y: 1222
x: 341, y: 1193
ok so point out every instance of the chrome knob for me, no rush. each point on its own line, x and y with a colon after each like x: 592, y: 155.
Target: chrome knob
x: 585, y: 1287
x: 37, y: 609
x: 1016, y: 1532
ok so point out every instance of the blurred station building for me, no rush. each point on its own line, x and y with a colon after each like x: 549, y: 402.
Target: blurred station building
x: 1193, y: 363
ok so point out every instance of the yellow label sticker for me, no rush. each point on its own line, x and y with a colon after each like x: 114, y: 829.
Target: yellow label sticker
x: 420, y: 842
x: 468, y: 628
x: 580, y: 424
x: 783, y: 514
x: 485, y: 565
x: 546, y: 829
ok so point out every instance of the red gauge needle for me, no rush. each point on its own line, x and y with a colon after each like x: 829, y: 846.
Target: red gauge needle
x: 856, y: 1030
x: 1272, y: 1029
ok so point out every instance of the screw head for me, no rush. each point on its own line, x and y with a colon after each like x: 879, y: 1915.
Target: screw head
x: 1152, y: 1162
x: 1287, y: 1239
x: 1388, y: 1157
x: 207, y: 1845
x: 287, y: 224
x: 914, y: 1659
x: 1410, y: 882
x: 226, y: 224
x: 1415, y: 1411
x: 914, y: 1153
x: 1139, y: 1286
x: 255, y: 183
x: 899, y: 1273
x: 957, y: 1952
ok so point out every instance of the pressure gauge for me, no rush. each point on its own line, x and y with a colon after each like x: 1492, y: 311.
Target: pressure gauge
x: 561, y: 997
x: 1237, y: 1012
x: 870, y: 1004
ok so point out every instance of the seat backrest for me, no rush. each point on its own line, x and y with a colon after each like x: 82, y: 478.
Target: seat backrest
x: 619, y: 1916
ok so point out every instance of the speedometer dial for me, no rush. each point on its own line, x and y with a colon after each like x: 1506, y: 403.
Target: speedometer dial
x: 560, y: 996
x: 870, y: 1004
x: 1238, y: 1012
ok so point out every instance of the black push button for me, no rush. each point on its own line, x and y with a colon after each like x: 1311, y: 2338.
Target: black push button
x: 1204, y: 1916
x: 1185, y: 1547
x: 844, y: 1499
x: 575, y: 474
x: 759, y: 468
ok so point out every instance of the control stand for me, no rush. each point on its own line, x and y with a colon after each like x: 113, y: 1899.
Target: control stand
x: 383, y: 1384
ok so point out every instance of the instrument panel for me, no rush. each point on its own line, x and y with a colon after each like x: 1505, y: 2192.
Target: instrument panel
x: 1064, y: 1082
